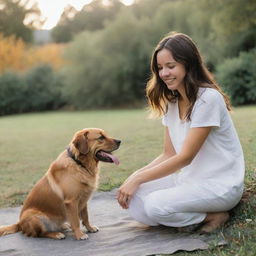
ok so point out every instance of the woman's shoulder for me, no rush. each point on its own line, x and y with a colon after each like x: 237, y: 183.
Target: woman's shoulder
x: 208, y: 95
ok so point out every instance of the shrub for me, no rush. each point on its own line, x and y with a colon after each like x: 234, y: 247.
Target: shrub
x: 43, y: 89
x: 16, y: 55
x: 109, y: 68
x: 49, y: 54
x: 238, y: 78
x: 38, y: 89
x: 11, y: 54
x: 12, y: 94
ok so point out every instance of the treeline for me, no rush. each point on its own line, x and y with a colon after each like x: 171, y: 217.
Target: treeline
x: 110, y: 66
x: 29, y: 76
x: 16, y: 55
x: 15, y: 18
x: 37, y: 89
x: 107, y: 56
x: 92, y: 17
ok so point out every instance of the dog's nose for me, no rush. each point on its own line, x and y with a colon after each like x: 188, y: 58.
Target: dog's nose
x: 118, y: 142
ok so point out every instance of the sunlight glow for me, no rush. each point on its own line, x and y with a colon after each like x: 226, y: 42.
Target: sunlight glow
x: 52, y: 9
x: 128, y: 2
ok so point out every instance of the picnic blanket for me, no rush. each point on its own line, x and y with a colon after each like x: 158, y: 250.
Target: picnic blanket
x: 119, y: 235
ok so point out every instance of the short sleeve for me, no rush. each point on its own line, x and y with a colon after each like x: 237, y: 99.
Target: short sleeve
x: 208, y: 109
x: 164, y: 121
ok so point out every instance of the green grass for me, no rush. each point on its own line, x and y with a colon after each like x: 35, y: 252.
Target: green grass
x: 30, y: 142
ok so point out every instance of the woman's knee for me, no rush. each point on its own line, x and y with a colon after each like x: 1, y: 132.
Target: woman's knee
x: 137, y: 212
x: 154, y: 208
x: 169, y: 217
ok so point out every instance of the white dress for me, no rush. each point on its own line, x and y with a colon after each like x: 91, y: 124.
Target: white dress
x: 214, y: 180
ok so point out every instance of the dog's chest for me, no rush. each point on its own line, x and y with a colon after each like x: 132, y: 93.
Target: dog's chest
x: 87, y: 186
x: 89, y: 182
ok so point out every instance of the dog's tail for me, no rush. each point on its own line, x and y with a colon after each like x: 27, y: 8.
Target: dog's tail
x: 11, y: 229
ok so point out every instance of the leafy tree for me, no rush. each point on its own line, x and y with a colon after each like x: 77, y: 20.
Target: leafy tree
x: 221, y: 28
x: 232, y: 27
x: 36, y: 90
x: 92, y: 17
x: 14, y: 14
x: 11, y: 54
x: 147, y: 8
x: 63, y: 33
x: 12, y: 94
x: 238, y: 77
x: 43, y: 89
x: 109, y: 67
x: 16, y: 55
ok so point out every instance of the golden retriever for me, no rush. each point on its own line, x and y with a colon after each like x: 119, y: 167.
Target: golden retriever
x: 61, y: 195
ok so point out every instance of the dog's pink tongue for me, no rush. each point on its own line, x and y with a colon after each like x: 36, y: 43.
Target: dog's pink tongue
x: 114, y: 158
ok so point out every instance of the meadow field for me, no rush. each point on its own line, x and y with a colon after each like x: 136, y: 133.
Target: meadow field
x: 30, y: 142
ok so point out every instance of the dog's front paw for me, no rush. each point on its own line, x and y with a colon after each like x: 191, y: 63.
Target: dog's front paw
x: 60, y: 235
x: 81, y: 236
x: 93, y: 229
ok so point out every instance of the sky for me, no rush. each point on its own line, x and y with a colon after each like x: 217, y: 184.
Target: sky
x: 52, y: 9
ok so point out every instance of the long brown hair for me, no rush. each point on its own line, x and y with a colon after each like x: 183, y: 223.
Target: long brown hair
x: 184, y: 51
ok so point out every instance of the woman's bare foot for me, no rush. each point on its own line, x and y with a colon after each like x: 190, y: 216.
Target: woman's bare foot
x: 214, y: 220
x: 189, y: 229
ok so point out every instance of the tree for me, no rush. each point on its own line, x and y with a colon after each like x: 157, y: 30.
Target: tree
x: 16, y: 55
x: 109, y: 67
x: 231, y: 27
x: 237, y: 76
x: 92, y: 17
x: 11, y: 54
x: 62, y: 33
x: 13, y: 16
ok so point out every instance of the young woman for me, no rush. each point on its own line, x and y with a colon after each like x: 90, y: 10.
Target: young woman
x: 199, y: 176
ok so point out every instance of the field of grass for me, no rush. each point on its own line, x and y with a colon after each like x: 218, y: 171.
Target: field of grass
x: 30, y: 142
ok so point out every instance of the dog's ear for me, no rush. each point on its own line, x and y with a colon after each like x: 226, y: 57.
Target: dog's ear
x: 81, y: 143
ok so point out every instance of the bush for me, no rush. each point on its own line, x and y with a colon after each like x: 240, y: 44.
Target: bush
x: 39, y: 89
x: 43, y: 89
x: 238, y: 78
x: 11, y: 54
x: 110, y: 67
x: 16, y: 55
x: 12, y: 94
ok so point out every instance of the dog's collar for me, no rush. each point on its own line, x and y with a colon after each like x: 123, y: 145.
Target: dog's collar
x: 71, y: 155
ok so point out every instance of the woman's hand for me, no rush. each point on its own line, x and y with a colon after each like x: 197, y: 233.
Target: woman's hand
x: 127, y: 190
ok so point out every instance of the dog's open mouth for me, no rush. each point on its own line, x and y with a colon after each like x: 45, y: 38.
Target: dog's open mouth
x: 107, y: 157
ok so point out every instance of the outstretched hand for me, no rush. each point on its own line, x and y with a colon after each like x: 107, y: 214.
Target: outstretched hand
x: 127, y: 190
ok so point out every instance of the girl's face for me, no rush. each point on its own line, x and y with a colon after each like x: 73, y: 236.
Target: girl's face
x: 170, y: 71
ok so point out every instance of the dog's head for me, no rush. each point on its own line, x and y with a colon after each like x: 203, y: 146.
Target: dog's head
x: 95, y: 142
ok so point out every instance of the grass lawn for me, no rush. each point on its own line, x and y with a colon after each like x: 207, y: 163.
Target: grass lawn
x: 29, y: 143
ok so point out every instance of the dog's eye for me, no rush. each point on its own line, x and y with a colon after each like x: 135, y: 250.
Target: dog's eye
x: 102, y: 137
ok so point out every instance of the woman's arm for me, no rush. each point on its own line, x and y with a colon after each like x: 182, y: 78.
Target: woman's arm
x: 190, y: 148
x: 168, y: 151
x: 192, y: 144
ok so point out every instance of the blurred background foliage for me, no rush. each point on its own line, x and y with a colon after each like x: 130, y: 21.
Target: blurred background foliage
x: 100, y: 56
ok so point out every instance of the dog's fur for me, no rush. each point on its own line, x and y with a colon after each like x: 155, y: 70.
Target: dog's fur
x: 61, y: 195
